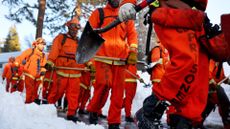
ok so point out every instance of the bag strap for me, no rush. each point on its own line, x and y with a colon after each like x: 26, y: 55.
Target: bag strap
x: 101, y: 16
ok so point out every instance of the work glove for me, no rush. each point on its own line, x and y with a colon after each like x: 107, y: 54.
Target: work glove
x: 92, y: 71
x: 132, y: 58
x: 49, y: 66
x: 3, y: 78
x: 141, y: 80
x: 42, y: 73
x: 15, y: 69
x: 127, y: 12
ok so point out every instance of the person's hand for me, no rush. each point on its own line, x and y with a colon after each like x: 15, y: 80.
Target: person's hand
x: 132, y: 58
x: 127, y: 12
x: 92, y: 71
x: 49, y: 66
x: 3, y: 78
x: 141, y: 80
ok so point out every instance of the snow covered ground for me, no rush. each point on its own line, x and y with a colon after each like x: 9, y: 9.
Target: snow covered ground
x: 14, y: 114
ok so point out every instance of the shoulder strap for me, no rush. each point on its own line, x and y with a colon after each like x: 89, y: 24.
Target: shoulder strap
x: 101, y: 16
x: 64, y: 39
x: 30, y: 54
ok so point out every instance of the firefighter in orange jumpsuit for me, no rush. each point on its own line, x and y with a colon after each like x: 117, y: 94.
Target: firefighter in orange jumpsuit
x: 130, y: 91
x: 33, y: 68
x: 185, y: 82
x: 110, y: 61
x: 216, y: 75
x: 63, y: 54
x: 7, y: 73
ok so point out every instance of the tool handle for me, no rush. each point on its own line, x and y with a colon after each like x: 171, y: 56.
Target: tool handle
x: 116, y: 22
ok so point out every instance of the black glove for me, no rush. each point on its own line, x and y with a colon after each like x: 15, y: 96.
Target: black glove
x: 3, y: 78
x: 210, y: 29
x: 49, y: 66
x: 15, y: 69
x: 42, y: 73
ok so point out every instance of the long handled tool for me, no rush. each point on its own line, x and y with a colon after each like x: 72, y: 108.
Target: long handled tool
x: 90, y: 40
x: 140, y: 79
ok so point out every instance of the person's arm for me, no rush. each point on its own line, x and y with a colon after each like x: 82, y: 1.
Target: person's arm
x: 132, y: 36
x: 23, y: 56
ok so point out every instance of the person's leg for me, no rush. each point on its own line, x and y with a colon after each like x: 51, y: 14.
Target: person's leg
x: 103, y: 80
x: 117, y: 93
x: 29, y: 84
x: 130, y: 91
x: 72, y: 94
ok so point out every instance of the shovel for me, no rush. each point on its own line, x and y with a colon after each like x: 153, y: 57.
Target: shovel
x: 91, y: 41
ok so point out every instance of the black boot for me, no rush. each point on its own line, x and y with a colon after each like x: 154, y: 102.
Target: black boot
x: 114, y: 126
x: 37, y: 101
x: 93, y: 118
x: 73, y: 118
x: 149, y: 116
x: 82, y: 112
x: 129, y: 119
x: 179, y: 122
x: 102, y: 116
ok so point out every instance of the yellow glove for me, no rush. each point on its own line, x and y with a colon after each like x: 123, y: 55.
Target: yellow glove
x: 132, y: 58
x: 92, y: 71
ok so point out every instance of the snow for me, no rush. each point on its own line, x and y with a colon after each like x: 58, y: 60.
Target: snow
x: 14, y: 114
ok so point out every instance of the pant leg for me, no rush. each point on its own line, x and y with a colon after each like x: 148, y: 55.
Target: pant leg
x: 7, y: 85
x: 21, y: 85
x: 29, y: 85
x: 114, y: 115
x: 53, y: 88
x: 101, y: 87
x: 72, y: 94
x: 130, y: 91
x: 185, y: 82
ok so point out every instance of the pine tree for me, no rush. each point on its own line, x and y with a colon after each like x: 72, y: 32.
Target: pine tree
x: 12, y: 41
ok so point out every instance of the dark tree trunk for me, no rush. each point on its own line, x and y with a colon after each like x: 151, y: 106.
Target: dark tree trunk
x: 40, y: 19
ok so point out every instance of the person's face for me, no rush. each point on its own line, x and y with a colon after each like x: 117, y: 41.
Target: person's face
x: 41, y: 46
x: 114, y: 3
x: 73, y: 29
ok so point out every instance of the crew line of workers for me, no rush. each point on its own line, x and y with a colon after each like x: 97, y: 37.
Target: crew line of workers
x: 180, y: 72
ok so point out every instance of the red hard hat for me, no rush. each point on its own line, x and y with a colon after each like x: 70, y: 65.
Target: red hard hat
x: 199, y: 4
x: 39, y: 40
x: 11, y: 59
x: 73, y: 24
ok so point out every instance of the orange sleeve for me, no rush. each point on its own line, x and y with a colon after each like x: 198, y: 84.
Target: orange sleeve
x: 43, y: 64
x: 23, y: 56
x: 132, y: 34
x: 56, y: 47
x: 5, y: 70
x: 94, y: 19
x: 155, y: 55
x: 183, y: 18
x: 128, y: 1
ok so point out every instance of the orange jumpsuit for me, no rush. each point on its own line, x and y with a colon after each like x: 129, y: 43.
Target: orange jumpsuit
x: 185, y: 83
x: 130, y: 89
x: 212, y: 98
x: 32, y: 70
x: 110, y: 73
x: 65, y: 80
x: 7, y: 73
x: 160, y: 56
x: 84, y: 90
